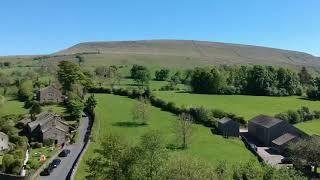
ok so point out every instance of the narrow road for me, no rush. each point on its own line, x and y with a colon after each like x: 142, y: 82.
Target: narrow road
x: 61, y: 172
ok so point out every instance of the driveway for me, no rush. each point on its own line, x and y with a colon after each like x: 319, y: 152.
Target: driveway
x: 61, y: 172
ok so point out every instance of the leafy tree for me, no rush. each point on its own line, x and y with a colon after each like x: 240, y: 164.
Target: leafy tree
x: 259, y: 79
x: 140, y: 74
x: 152, y: 156
x: 248, y: 170
x: 69, y: 73
x: 182, y: 168
x: 176, y: 78
x: 25, y: 91
x: 90, y: 104
x: 184, y: 129
x: 205, y: 81
x: 306, y: 152
x: 141, y: 111
x: 221, y: 170
x: 284, y: 173
x: 4, y: 83
x: 114, y: 160
x: 34, y: 110
x: 304, y: 76
x: 162, y: 75
x: 74, y: 106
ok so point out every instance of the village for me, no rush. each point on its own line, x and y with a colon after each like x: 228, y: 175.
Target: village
x: 49, y: 136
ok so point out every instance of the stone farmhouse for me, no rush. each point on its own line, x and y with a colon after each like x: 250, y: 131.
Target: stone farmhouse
x: 228, y: 127
x: 273, y: 132
x: 4, y: 141
x: 50, y: 94
x: 48, y: 125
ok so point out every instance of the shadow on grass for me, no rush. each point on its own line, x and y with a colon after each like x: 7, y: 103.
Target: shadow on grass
x: 129, y: 124
x: 174, y: 147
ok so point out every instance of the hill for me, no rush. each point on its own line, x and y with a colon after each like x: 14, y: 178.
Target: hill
x: 186, y: 52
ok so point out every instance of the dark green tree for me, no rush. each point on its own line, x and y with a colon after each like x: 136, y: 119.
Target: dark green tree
x: 304, y: 76
x: 140, y: 74
x: 162, y: 75
x: 69, y: 73
x: 34, y: 109
x: 306, y: 152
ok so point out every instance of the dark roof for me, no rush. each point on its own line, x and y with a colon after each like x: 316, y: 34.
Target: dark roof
x: 46, y: 117
x: 265, y: 121
x: 284, y: 139
x: 224, y: 120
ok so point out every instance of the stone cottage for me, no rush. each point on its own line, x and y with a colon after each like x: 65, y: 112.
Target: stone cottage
x: 48, y: 125
x: 228, y: 127
x: 50, y: 94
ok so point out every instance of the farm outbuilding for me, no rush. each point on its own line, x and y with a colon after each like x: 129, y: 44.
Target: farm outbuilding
x: 266, y: 129
x: 228, y: 127
x: 281, y: 143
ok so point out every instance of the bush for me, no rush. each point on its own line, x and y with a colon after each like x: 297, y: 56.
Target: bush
x: 36, y: 145
x: 48, y: 142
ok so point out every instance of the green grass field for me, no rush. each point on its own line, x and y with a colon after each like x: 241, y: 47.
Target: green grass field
x: 310, y: 127
x: 12, y: 106
x: 246, y: 106
x: 113, y: 109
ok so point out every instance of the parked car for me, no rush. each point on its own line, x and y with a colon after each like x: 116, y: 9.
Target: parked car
x: 64, y: 153
x: 55, y: 163
x: 47, y: 171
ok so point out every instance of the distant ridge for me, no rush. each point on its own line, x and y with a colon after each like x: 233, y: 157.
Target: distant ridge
x: 202, y: 51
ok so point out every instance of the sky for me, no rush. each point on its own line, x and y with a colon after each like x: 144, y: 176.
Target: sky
x: 47, y: 26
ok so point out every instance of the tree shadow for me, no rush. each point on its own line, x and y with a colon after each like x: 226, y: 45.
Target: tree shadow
x: 174, y: 147
x: 129, y: 124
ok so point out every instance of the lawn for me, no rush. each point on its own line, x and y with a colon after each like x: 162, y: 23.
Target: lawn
x: 310, y: 127
x: 112, y: 110
x: 11, y: 106
x: 34, y: 160
x: 246, y: 106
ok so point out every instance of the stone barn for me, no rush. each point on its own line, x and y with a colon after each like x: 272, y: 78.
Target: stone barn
x: 48, y: 125
x: 228, y: 127
x: 50, y: 94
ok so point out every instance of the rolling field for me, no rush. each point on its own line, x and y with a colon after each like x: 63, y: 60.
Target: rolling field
x: 112, y: 111
x: 310, y: 127
x: 246, y: 106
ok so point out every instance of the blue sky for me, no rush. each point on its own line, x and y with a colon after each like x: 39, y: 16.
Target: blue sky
x: 46, y: 26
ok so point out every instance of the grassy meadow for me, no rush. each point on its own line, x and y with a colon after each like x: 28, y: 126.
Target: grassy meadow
x: 246, y: 106
x: 310, y: 127
x: 113, y: 112
x: 11, y: 106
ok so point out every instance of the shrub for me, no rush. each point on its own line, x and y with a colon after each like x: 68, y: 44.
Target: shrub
x: 36, y: 145
x: 48, y: 142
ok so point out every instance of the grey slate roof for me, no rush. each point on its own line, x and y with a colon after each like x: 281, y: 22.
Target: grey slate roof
x: 44, y: 118
x: 284, y: 139
x: 224, y: 120
x: 265, y: 121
